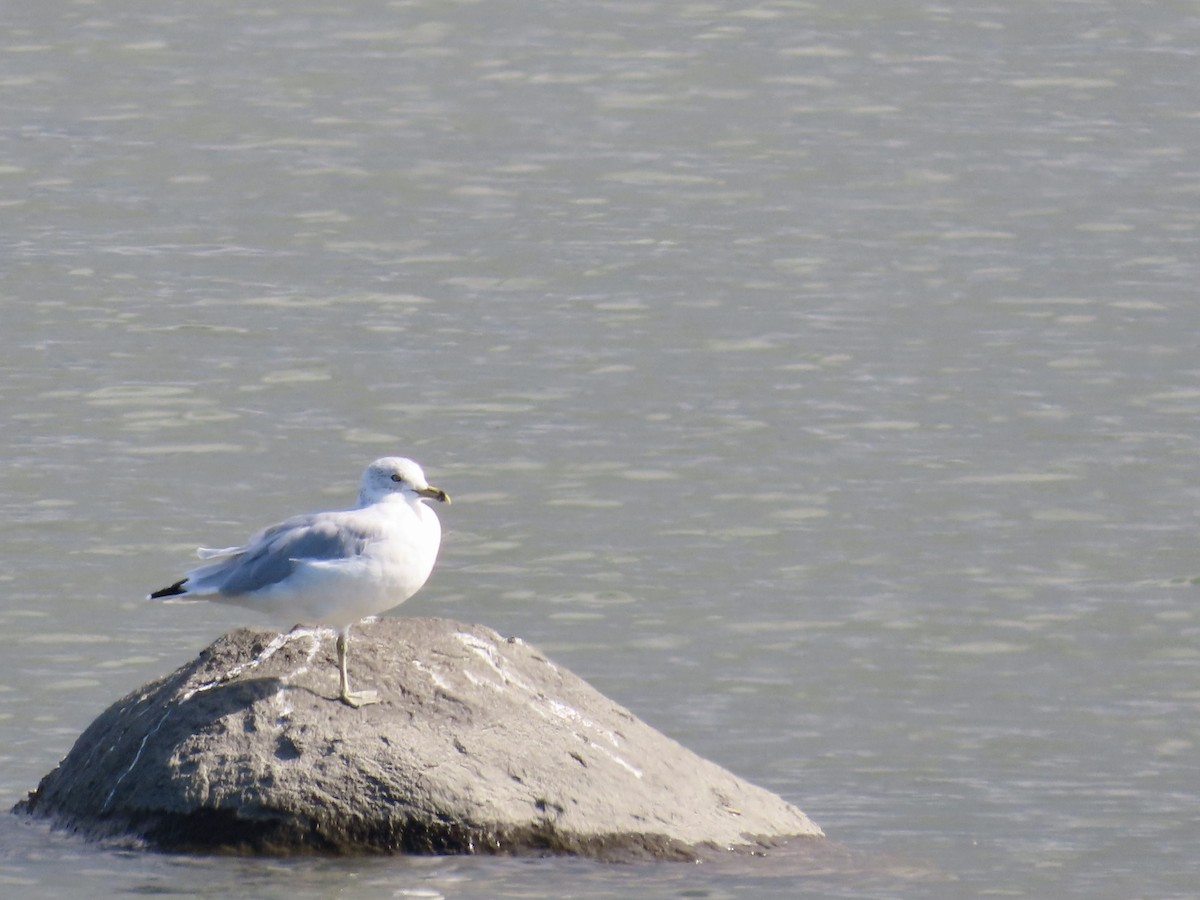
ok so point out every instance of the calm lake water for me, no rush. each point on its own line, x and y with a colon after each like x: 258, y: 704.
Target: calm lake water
x: 820, y: 380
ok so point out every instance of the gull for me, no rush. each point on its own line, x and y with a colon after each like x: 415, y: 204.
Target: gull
x: 331, y: 568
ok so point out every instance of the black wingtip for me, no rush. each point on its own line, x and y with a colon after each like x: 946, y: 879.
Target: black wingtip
x: 173, y: 591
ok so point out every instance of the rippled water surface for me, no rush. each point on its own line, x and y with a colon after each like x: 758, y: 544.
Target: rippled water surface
x: 819, y: 380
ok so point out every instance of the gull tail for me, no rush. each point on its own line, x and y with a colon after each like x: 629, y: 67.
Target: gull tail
x: 175, y: 590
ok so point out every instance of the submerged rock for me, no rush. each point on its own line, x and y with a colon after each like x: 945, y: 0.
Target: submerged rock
x: 481, y: 745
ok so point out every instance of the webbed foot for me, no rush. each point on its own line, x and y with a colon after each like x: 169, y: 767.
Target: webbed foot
x: 359, y: 698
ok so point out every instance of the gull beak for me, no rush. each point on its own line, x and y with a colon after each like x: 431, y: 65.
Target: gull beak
x: 433, y: 493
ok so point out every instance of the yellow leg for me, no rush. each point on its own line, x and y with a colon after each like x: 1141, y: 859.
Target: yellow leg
x: 349, y: 697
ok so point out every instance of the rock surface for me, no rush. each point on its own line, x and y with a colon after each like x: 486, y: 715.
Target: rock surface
x: 481, y: 744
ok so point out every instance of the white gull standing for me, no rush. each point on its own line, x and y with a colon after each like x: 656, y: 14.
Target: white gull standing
x: 332, y: 568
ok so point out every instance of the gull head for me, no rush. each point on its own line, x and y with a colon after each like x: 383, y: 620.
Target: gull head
x: 395, y: 475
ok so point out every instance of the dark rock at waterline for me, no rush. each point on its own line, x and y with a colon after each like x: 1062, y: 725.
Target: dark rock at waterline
x: 481, y: 744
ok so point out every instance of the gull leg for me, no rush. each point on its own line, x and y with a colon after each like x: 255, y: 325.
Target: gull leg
x: 349, y: 697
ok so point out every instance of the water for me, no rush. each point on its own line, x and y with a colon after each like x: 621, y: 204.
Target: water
x: 819, y: 380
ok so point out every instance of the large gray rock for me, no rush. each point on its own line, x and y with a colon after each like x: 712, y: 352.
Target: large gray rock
x: 481, y: 744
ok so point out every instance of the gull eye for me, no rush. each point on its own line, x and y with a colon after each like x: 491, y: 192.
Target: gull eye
x: 397, y: 478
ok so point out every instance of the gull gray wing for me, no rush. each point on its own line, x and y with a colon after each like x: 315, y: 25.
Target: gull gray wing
x: 273, y: 554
